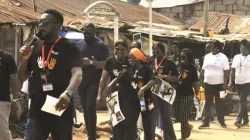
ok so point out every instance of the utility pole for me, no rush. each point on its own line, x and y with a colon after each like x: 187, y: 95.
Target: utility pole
x: 150, y: 27
x: 34, y: 5
x: 206, y: 10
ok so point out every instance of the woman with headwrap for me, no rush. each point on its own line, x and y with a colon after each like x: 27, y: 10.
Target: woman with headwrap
x: 166, y: 70
x: 139, y: 79
x: 188, y: 79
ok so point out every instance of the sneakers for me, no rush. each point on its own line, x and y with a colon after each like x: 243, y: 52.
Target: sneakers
x: 245, y: 124
x: 159, y: 132
x: 237, y: 124
x: 204, y: 126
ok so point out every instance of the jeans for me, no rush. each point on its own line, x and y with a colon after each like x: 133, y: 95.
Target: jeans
x: 88, y: 95
x: 210, y: 92
x: 4, y: 120
x: 39, y: 129
x: 244, y: 92
x: 165, y: 112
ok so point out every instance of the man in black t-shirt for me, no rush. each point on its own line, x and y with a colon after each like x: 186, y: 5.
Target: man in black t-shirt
x: 8, y: 79
x: 56, y: 64
x: 94, y: 53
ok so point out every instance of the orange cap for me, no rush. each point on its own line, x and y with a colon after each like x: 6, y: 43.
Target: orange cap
x: 138, y: 54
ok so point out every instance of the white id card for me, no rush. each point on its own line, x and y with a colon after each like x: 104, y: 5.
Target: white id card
x: 47, y: 87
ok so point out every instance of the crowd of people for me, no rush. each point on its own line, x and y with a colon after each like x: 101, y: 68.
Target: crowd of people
x: 57, y: 67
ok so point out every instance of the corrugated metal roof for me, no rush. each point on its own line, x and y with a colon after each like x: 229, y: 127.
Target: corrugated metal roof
x: 21, y: 11
x: 237, y: 24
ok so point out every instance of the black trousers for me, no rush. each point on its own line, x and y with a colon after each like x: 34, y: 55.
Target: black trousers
x: 182, y: 108
x: 127, y: 129
x: 165, y: 111
x: 88, y: 95
x: 210, y: 92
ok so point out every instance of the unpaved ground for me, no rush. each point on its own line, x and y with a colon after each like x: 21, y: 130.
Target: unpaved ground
x: 214, y: 133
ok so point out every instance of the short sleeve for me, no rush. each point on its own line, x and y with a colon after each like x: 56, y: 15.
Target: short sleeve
x: 12, y: 67
x: 234, y: 62
x: 194, y: 76
x: 107, y: 64
x: 105, y: 52
x: 173, y: 69
x: 75, y: 57
x: 150, y: 73
x: 226, y: 63
x: 204, y: 62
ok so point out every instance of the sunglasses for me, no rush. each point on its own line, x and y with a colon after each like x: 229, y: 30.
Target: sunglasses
x: 46, y: 23
x: 183, y: 57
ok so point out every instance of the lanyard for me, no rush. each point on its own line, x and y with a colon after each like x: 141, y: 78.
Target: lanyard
x: 242, y: 61
x: 157, y: 66
x: 45, y: 63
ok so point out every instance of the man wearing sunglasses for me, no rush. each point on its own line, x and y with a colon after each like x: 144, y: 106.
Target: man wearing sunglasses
x: 57, y: 71
x: 94, y: 53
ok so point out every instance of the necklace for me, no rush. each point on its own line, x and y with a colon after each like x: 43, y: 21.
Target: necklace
x: 118, y: 60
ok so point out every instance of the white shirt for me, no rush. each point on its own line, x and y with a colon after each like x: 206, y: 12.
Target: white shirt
x: 214, y: 66
x: 242, y: 69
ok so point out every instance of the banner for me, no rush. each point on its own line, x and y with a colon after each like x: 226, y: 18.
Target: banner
x: 113, y: 105
x: 199, y: 108
x: 165, y: 91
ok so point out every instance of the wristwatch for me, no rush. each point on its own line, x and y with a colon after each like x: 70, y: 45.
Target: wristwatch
x: 91, y: 62
x: 68, y: 93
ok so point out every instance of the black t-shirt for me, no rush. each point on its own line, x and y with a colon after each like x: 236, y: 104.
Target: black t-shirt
x: 188, y: 75
x: 140, y: 78
x: 115, y: 69
x: 93, y: 49
x: 65, y: 56
x: 7, y: 67
x: 167, y: 67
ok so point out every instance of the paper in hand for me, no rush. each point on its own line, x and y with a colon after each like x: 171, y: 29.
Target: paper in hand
x: 50, y: 106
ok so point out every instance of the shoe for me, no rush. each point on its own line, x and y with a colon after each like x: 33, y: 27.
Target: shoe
x: 204, y: 126
x: 159, y: 132
x: 245, y: 124
x: 237, y: 124
x: 189, y: 131
x: 223, y: 125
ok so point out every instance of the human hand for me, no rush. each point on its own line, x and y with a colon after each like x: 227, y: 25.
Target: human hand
x: 26, y: 51
x: 63, y: 102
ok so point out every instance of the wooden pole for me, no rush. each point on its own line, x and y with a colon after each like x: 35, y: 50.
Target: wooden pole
x: 206, y: 10
x: 34, y: 5
x: 150, y: 28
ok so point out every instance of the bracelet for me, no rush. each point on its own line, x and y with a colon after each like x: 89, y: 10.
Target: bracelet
x: 69, y: 94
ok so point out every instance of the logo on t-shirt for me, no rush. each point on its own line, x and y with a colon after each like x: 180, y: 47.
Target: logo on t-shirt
x: 116, y: 72
x: 133, y: 84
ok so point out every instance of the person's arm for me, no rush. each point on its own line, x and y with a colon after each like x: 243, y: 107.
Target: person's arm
x: 75, y: 80
x: 14, y: 85
x: 76, y: 65
x: 12, y: 67
x: 100, y: 64
x: 149, y: 85
x: 103, y: 82
x: 226, y: 72
x: 173, y: 77
x: 202, y: 75
x: 232, y: 77
x: 23, y: 71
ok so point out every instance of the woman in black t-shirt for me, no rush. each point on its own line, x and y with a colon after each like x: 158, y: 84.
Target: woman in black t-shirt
x: 142, y: 80
x: 166, y: 70
x: 115, y: 67
x: 183, y: 103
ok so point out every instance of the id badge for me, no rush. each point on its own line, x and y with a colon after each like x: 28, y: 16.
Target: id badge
x: 47, y: 87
